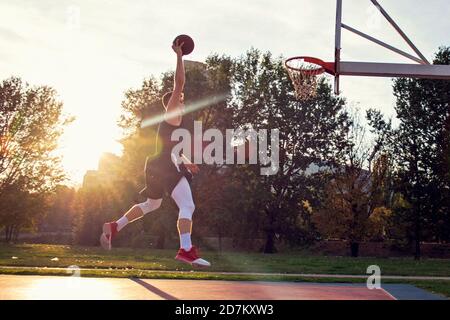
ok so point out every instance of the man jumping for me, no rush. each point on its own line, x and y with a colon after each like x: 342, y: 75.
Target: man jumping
x: 162, y: 174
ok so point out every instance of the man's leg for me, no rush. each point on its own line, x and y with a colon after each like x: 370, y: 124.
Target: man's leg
x: 183, y: 198
x: 185, y: 231
x: 136, y: 212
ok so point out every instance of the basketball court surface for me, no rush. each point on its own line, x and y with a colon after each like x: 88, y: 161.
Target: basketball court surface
x: 14, y: 287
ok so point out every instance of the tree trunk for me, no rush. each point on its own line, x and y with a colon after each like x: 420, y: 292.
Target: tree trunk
x: 15, y: 235
x: 417, y: 251
x: 9, y: 232
x: 161, y: 241
x: 269, y: 247
x: 220, y: 241
x: 417, y: 230
x: 6, y: 233
x: 354, y: 249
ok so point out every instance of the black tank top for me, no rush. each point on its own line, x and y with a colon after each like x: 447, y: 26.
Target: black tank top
x: 164, y: 145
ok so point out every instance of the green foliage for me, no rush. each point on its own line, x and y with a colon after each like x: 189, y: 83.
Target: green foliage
x: 396, y: 187
x: 104, y: 196
x: 357, y: 190
x: 60, y: 213
x: 31, y: 122
x: 310, y: 133
x: 420, y: 147
x: 236, y: 201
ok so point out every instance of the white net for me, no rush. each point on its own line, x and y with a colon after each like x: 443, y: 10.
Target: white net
x: 304, y: 77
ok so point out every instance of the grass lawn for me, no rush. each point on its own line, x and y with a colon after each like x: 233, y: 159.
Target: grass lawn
x: 155, y: 264
x: 40, y: 255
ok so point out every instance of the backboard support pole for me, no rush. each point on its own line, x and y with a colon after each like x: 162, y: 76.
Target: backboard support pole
x: 394, y: 70
x: 383, y: 44
x: 304, y: 70
x: 399, y: 30
x: 337, y: 52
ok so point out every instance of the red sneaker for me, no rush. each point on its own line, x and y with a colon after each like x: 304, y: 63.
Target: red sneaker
x: 109, y: 232
x: 192, y: 257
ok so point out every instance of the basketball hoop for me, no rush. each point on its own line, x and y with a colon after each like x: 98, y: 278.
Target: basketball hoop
x: 304, y: 73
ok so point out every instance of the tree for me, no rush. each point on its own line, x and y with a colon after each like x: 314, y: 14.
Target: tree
x: 31, y: 122
x: 355, y: 199
x: 60, y: 214
x: 21, y: 209
x: 310, y: 132
x: 103, y: 196
x: 420, y: 146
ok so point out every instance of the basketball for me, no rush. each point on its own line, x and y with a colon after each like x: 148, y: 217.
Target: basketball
x: 188, y: 43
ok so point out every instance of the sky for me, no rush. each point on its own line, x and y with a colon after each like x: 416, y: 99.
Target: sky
x: 92, y: 51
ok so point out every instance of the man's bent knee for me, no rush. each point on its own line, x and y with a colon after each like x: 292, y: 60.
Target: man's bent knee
x: 186, y: 212
x: 149, y: 205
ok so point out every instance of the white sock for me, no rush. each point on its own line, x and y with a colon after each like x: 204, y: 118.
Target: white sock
x: 185, y: 241
x: 122, y: 222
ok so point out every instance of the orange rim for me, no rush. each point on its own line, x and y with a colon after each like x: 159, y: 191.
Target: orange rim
x: 322, y: 66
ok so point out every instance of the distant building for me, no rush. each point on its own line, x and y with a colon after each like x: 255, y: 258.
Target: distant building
x: 105, y: 174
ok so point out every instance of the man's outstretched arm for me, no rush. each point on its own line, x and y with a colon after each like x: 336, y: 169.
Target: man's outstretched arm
x: 173, y: 112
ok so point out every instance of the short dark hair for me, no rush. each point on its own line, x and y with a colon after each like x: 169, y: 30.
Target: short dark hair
x: 165, y: 98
